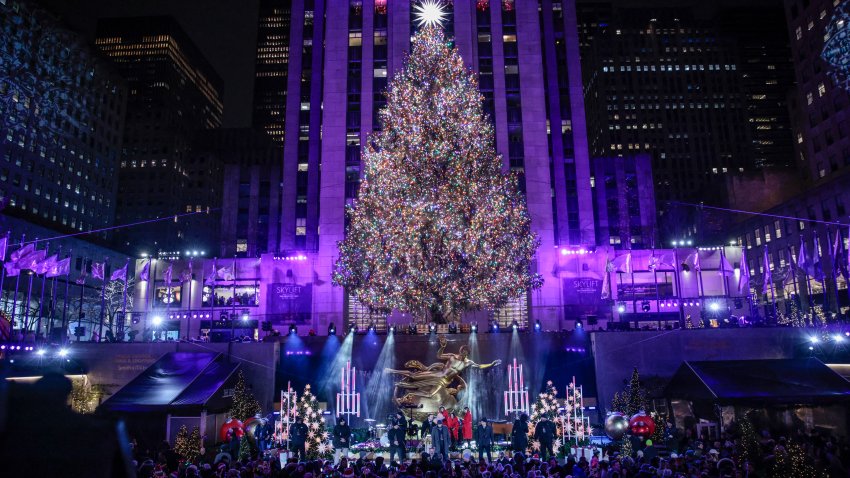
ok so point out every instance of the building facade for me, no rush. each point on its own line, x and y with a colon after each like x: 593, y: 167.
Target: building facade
x: 271, y: 68
x: 341, y: 56
x: 62, y: 119
x: 173, y: 93
x: 816, y: 218
x: 624, y: 201
x: 704, y: 93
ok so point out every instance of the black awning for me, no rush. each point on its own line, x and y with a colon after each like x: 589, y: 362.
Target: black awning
x: 788, y: 381
x: 177, y: 379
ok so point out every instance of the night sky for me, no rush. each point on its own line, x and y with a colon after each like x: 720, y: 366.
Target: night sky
x: 225, y: 31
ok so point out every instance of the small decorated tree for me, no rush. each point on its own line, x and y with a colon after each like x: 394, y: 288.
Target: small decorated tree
x: 546, y: 405
x: 318, y: 444
x: 186, y: 445
x: 245, y: 405
x: 632, y: 399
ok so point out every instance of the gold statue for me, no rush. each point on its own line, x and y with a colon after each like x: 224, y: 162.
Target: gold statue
x: 432, y: 387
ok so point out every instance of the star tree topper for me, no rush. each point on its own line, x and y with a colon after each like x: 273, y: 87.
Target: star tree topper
x: 429, y: 13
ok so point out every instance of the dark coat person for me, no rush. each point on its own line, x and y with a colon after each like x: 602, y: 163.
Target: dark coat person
x: 441, y: 440
x: 298, y: 438
x: 484, y: 439
x: 342, y: 434
x: 544, y: 432
x: 519, y: 434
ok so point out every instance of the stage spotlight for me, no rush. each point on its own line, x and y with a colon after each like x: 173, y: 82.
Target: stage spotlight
x: 371, y: 328
x: 157, y: 321
x: 245, y: 318
x: 411, y: 329
x: 332, y: 329
x: 514, y: 325
x: 392, y: 329
x: 453, y: 328
x: 62, y: 352
x: 714, y: 307
x: 644, y: 306
x: 352, y: 329
x: 838, y: 338
x: 495, y: 326
x: 579, y: 324
x: 432, y: 327
x: 621, y: 308
x: 686, y: 267
x: 293, y: 330
x: 41, y: 352
x: 474, y: 327
x: 814, y: 340
x: 537, y: 326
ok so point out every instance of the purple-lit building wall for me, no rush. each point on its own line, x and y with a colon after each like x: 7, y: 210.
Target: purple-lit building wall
x: 527, y: 59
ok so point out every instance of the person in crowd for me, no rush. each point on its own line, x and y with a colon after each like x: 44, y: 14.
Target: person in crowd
x: 298, y: 438
x: 341, y: 439
x: 441, y: 439
x: 425, y: 428
x: 519, y: 434
x: 544, y: 433
x: 444, y: 413
x: 467, y: 425
x: 484, y: 440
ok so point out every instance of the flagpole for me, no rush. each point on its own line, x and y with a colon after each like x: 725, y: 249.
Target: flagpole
x: 27, y: 303
x: 17, y: 283
x: 151, y: 291
x: 189, y: 315
x: 102, y: 300
x: 52, y: 295
x: 65, y: 299
x: 3, y: 301
x: 124, y: 308
x: 834, y: 255
x: 41, y: 297
x: 233, y: 300
x: 82, y: 292
x: 678, y: 278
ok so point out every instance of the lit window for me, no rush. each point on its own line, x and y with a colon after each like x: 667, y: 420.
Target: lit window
x: 242, y: 245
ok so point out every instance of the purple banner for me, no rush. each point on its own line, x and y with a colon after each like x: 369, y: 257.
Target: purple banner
x: 291, y: 303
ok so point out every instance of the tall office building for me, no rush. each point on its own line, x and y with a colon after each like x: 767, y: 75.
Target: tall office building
x: 173, y: 93
x: 665, y: 83
x: 62, y: 117
x: 271, y: 68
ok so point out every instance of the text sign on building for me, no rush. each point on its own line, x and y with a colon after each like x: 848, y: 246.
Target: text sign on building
x: 290, y: 303
x: 582, y: 291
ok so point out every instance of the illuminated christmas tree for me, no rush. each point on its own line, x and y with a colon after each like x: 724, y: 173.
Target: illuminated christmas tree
x: 317, y: 444
x: 546, y: 405
x: 186, y: 445
x: 245, y: 405
x: 437, y: 228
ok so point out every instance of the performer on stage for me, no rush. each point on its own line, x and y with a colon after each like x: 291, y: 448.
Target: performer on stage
x: 441, y: 439
x: 297, y: 438
x: 544, y: 432
x: 425, y: 429
x: 454, y: 429
x: 519, y: 434
x: 342, y: 439
x: 396, y: 436
x: 467, y: 425
x: 484, y: 439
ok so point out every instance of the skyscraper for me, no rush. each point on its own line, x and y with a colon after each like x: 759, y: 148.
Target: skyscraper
x: 62, y: 118
x: 173, y: 92
x: 271, y: 68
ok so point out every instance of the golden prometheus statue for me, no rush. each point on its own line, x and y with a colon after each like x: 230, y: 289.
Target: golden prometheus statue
x: 429, y: 388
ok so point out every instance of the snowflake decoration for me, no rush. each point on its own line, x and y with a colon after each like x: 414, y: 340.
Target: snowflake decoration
x: 535, y: 445
x: 314, y: 426
x: 310, y: 435
x: 556, y: 445
x: 325, y: 435
x: 549, y: 383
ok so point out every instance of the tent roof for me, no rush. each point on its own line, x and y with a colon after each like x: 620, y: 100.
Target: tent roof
x: 177, y: 379
x: 797, y: 381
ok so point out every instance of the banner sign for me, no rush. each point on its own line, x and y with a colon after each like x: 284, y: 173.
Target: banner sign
x: 582, y: 291
x: 291, y: 303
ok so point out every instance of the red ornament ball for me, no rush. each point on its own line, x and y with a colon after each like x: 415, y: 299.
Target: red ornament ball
x: 642, y: 425
x: 232, y: 424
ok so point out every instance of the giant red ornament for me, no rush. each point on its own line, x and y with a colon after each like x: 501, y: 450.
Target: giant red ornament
x: 232, y: 424
x: 642, y: 425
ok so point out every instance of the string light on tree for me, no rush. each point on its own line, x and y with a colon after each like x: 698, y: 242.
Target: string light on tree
x: 429, y: 13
